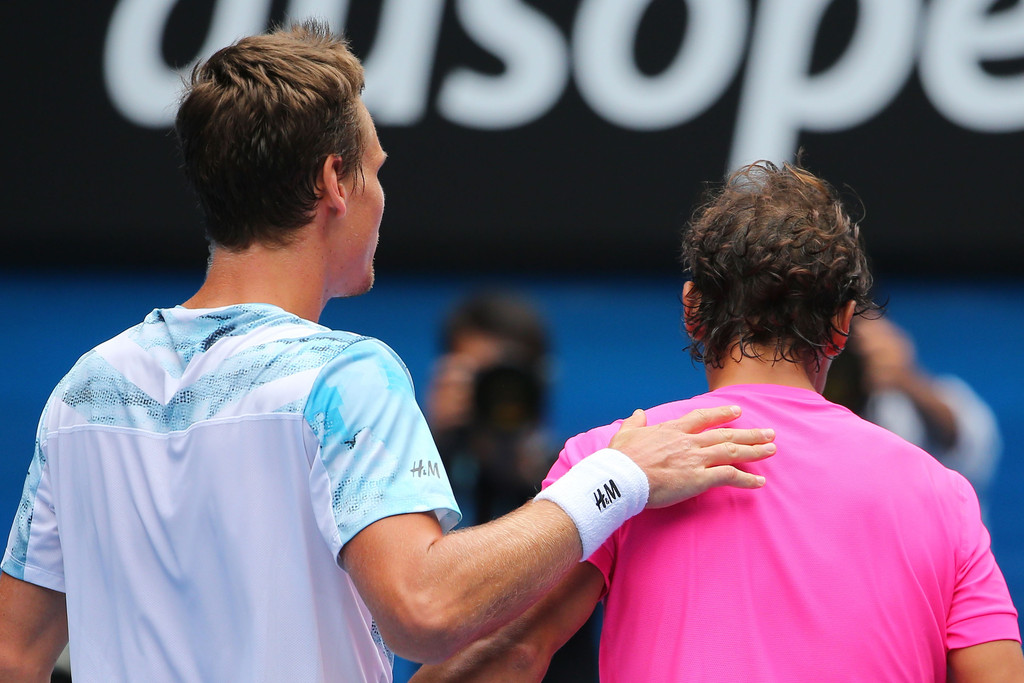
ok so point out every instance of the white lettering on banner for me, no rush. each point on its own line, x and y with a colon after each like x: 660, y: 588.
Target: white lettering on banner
x: 536, y: 67
x: 334, y: 11
x: 142, y: 86
x: 140, y: 83
x: 960, y: 35
x: 779, y: 96
x: 398, y: 70
x: 611, y: 83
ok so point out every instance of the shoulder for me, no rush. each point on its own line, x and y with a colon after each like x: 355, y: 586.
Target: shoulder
x: 582, y: 445
x: 309, y: 346
x: 351, y: 352
x: 361, y: 373
x: 92, y: 367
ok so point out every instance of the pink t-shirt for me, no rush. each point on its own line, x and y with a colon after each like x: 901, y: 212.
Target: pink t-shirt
x: 862, y: 559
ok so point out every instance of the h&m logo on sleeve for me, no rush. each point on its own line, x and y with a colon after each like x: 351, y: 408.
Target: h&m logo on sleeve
x: 606, y: 495
x: 428, y: 469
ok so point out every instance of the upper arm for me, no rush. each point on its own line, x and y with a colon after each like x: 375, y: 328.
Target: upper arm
x: 385, y: 561
x: 33, y: 629
x: 999, y: 661
x: 431, y: 594
x: 382, y: 557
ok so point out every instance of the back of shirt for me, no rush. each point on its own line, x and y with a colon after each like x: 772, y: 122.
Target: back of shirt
x: 862, y: 559
x: 194, y: 481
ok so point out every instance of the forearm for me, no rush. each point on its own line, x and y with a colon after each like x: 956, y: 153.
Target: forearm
x: 436, y: 594
x: 493, y: 572
x: 932, y: 407
x: 521, y: 651
x: 500, y: 656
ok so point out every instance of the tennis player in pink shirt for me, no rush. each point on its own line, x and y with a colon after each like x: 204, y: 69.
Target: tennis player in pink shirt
x: 862, y: 559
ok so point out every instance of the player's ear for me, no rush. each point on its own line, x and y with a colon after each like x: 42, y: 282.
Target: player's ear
x: 691, y: 300
x: 841, y: 322
x: 329, y: 182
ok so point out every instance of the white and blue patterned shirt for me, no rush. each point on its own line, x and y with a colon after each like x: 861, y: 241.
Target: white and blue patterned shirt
x: 194, y: 480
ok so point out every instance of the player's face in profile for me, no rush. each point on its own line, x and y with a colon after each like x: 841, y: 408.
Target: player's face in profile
x: 358, y: 240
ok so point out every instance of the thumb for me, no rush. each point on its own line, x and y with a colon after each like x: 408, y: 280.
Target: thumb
x: 637, y: 419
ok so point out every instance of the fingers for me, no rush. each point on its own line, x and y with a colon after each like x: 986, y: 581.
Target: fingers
x: 704, y: 418
x: 630, y: 429
x: 726, y: 475
x: 686, y: 456
x: 734, y: 447
x: 637, y: 419
x: 744, y: 437
x: 730, y: 453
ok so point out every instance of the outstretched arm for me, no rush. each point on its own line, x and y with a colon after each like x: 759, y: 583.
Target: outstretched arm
x: 33, y: 630
x: 521, y: 651
x: 432, y: 594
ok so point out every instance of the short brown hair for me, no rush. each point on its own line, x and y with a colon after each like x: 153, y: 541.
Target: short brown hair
x: 256, y: 122
x: 773, y: 256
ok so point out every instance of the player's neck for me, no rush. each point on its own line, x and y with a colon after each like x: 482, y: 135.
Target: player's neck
x: 738, y: 369
x: 286, y: 277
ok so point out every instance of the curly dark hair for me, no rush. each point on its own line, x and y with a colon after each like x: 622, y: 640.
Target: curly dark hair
x: 255, y: 124
x: 773, y: 256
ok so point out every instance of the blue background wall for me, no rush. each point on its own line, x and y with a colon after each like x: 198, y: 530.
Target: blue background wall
x: 618, y: 346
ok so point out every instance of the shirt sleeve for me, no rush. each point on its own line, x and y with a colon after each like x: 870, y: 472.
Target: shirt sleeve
x: 376, y: 456
x: 981, y: 610
x: 33, y: 552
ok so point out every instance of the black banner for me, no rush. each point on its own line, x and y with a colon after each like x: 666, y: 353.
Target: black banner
x: 545, y: 136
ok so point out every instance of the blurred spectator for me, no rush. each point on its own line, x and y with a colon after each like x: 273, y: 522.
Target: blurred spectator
x: 487, y: 409
x: 878, y: 377
x: 487, y: 401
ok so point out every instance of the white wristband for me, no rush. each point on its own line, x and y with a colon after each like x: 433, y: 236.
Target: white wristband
x: 599, y: 493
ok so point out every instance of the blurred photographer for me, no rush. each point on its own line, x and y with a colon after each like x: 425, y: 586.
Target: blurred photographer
x: 486, y: 409
x: 486, y: 403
